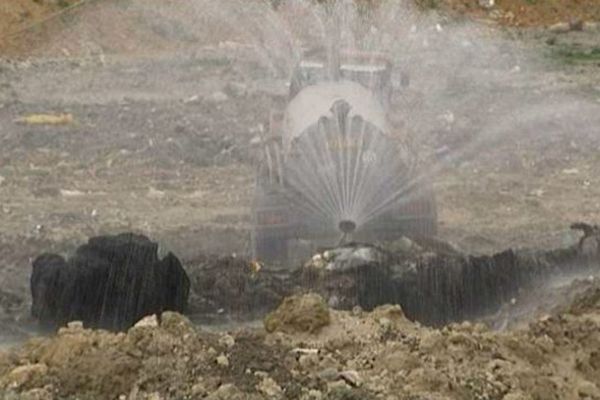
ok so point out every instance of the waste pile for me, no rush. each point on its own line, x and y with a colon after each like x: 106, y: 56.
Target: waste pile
x: 433, y: 283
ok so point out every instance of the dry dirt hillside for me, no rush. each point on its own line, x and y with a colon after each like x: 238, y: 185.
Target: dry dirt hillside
x: 51, y: 27
x: 16, y: 15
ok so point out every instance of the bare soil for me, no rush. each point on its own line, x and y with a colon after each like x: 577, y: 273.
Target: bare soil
x: 163, y: 141
x: 16, y: 15
x: 529, y: 13
x: 353, y: 356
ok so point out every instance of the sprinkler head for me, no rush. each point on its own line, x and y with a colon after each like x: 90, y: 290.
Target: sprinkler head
x: 347, y: 226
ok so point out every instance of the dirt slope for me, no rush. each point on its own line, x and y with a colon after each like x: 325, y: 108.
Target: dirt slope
x: 356, y: 356
x: 33, y: 27
x: 16, y: 15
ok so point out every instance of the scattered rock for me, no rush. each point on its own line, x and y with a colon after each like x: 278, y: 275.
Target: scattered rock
x: 570, y: 171
x: 155, y: 193
x: 588, y: 390
x: 199, y: 390
x: 37, y: 394
x: 75, y: 326
x: 496, y: 14
x: 218, y: 97
x: 192, y: 100
x: 223, y: 361
x: 314, y: 394
x: 341, y: 392
x: 29, y: 375
x: 71, y: 193
x: 227, y: 341
x: 560, y: 27
x: 227, y: 392
x: 2, y: 180
x: 487, y: 4
x: 351, y: 377
x: 300, y: 313
x: 150, y: 321
x: 270, y: 388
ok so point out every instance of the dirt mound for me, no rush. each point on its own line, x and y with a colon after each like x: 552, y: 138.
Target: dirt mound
x: 307, y: 313
x: 358, y: 355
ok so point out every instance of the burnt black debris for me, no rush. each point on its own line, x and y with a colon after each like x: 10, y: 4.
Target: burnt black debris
x: 111, y: 282
x: 236, y: 287
x: 434, y: 284
x: 436, y: 288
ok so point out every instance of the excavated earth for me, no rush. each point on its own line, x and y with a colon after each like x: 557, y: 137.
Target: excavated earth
x: 315, y: 353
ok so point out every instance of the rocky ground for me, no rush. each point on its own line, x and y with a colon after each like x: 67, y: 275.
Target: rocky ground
x: 155, y: 127
x: 310, y: 352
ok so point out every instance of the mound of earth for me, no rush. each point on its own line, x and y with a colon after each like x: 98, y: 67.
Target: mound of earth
x: 357, y: 356
x: 307, y: 313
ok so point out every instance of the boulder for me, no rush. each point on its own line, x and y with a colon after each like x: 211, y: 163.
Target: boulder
x: 111, y: 283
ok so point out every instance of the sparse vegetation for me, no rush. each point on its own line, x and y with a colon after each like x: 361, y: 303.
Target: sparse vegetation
x: 428, y: 4
x: 575, y: 55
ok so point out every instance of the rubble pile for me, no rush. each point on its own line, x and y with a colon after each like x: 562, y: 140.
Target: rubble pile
x: 433, y: 283
x: 357, y: 355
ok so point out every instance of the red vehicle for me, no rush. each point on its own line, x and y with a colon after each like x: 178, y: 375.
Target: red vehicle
x: 332, y: 166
